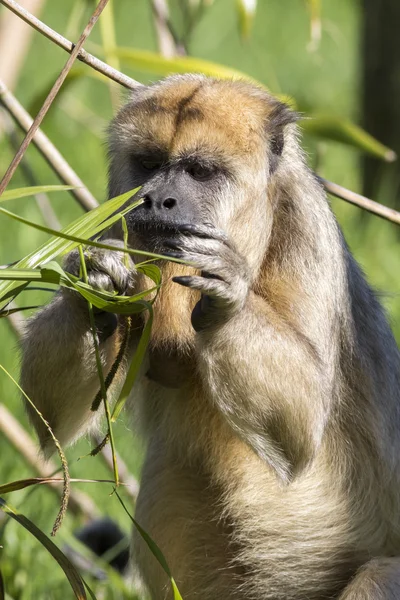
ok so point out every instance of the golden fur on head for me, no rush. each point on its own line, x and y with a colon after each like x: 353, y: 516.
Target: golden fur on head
x: 272, y: 421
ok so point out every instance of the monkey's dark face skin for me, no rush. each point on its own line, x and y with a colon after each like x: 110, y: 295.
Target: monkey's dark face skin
x: 174, y: 194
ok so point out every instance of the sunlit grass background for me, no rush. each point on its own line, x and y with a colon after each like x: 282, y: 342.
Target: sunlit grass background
x: 326, y: 79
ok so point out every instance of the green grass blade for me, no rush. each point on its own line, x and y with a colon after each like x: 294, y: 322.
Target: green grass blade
x: 134, y: 367
x: 63, y: 460
x: 100, y: 371
x: 89, y: 590
x: 32, y: 190
x: 154, y: 549
x: 21, y: 484
x: 72, y: 574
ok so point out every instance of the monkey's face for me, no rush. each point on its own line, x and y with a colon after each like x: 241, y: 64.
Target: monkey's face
x: 199, y: 149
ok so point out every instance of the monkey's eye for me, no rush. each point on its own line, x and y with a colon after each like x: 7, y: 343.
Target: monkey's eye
x: 149, y: 164
x: 200, y: 172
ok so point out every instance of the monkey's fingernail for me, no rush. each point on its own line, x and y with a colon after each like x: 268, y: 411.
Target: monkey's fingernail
x: 183, y: 280
x: 188, y: 229
x: 171, y: 244
x: 172, y: 254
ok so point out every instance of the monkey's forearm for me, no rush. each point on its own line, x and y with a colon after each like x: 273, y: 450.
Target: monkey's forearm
x: 59, y: 371
x: 268, y: 382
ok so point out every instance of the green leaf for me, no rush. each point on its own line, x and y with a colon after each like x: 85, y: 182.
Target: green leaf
x: 53, y: 273
x: 31, y: 191
x: 152, y: 62
x: 154, y: 549
x: 21, y: 484
x: 151, y: 271
x: 341, y: 130
x: 108, y: 301
x: 134, y: 367
x: 12, y: 311
x: 89, y: 225
x: 20, y: 274
x: 72, y: 574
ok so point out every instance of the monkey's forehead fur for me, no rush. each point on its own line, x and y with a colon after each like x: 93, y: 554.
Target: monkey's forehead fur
x: 182, y: 112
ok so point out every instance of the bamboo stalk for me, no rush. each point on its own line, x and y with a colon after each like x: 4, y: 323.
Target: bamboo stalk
x: 54, y: 158
x: 380, y: 210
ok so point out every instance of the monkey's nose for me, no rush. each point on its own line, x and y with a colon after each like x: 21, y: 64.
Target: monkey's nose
x: 155, y: 204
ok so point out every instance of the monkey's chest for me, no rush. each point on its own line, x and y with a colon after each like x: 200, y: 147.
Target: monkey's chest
x: 169, y: 368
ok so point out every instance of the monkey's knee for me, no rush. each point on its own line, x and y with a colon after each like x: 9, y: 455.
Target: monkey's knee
x: 378, y: 579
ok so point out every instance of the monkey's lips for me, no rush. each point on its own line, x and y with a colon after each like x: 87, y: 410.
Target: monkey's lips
x: 151, y: 235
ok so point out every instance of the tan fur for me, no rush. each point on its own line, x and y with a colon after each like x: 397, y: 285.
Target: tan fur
x: 272, y: 468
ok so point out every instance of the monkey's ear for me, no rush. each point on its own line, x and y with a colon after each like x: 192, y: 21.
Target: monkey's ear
x: 280, y: 116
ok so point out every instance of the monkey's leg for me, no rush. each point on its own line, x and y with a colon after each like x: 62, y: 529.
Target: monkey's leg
x: 378, y: 579
x: 179, y: 508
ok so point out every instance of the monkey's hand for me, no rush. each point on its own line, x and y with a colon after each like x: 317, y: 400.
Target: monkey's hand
x: 107, y: 270
x: 225, y: 276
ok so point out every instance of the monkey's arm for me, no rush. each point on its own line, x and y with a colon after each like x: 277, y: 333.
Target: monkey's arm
x: 266, y: 378
x: 59, y: 371
x: 269, y: 383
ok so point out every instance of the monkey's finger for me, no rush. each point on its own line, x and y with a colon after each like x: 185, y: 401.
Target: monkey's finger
x: 213, y: 264
x: 191, y: 244
x: 207, y: 286
x: 205, y: 231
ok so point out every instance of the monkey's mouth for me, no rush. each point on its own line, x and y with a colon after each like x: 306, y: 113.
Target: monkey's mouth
x: 152, y: 235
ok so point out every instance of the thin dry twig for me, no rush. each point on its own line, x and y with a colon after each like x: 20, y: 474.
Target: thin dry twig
x: 62, y: 42
x: 380, y: 210
x: 54, y: 158
x: 52, y: 94
x: 80, y: 503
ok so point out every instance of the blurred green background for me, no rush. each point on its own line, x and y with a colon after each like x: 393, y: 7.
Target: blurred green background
x: 324, y: 79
